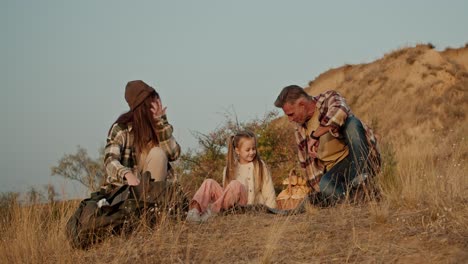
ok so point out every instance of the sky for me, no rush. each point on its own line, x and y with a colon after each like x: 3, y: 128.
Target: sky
x: 64, y: 64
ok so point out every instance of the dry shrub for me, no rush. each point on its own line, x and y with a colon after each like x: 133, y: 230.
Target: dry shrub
x: 275, y: 145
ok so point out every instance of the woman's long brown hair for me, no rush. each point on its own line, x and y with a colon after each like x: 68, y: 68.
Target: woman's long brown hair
x: 231, y: 161
x: 141, y: 118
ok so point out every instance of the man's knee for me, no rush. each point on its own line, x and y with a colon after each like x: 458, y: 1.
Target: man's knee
x: 354, y: 130
x: 356, y: 139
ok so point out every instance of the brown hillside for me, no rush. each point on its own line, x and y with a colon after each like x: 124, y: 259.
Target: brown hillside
x: 459, y: 56
x: 409, y: 93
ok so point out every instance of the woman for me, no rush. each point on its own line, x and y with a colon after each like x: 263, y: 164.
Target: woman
x: 141, y: 139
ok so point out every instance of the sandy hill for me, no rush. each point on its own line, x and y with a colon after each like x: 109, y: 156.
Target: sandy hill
x: 410, y: 94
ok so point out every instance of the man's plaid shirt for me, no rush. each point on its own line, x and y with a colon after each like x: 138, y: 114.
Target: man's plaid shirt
x: 333, y: 112
x: 120, y: 156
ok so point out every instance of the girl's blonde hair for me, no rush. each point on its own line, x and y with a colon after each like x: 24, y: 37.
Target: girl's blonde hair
x: 232, y: 162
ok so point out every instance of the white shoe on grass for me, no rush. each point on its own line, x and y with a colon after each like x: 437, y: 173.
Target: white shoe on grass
x: 207, y: 215
x: 193, y: 215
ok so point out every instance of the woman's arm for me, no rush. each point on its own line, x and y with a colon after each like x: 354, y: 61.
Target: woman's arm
x: 164, y: 131
x: 166, y: 140
x: 113, y: 154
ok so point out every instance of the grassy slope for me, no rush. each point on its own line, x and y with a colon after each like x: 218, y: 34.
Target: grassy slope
x: 416, y: 98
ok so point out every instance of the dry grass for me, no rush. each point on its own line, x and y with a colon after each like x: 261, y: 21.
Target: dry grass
x: 421, y: 218
x: 397, y: 229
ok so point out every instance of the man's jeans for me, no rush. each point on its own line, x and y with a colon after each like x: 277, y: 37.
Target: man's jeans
x: 352, y: 170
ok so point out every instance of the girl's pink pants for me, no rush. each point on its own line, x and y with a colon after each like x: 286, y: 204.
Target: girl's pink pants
x: 210, y: 192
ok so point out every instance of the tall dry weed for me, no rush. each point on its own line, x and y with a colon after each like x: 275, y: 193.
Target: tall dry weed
x: 34, y: 233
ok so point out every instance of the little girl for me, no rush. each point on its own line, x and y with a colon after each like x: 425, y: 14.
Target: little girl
x: 246, y: 180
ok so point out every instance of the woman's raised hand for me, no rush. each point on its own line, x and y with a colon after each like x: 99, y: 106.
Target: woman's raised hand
x: 157, y: 109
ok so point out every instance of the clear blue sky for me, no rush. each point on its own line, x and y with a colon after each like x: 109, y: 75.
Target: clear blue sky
x: 64, y: 64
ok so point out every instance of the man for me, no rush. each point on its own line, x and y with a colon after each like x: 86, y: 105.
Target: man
x: 336, y: 149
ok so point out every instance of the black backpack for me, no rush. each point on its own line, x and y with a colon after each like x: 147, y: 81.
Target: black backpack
x: 123, y: 208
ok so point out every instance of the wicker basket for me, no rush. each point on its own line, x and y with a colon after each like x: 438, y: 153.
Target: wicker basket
x: 295, y: 191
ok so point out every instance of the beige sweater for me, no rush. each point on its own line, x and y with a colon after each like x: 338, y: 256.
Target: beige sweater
x: 245, y: 175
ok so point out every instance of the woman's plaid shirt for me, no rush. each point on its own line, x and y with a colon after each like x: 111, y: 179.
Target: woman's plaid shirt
x: 120, y: 156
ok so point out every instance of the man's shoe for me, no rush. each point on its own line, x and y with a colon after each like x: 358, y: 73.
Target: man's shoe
x: 359, y: 179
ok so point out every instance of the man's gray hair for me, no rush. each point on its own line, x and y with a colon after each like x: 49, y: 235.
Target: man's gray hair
x: 290, y: 94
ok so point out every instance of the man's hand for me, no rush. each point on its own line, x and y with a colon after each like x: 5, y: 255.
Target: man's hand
x: 157, y: 110
x: 312, y: 147
x: 132, y: 180
x: 313, y: 143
